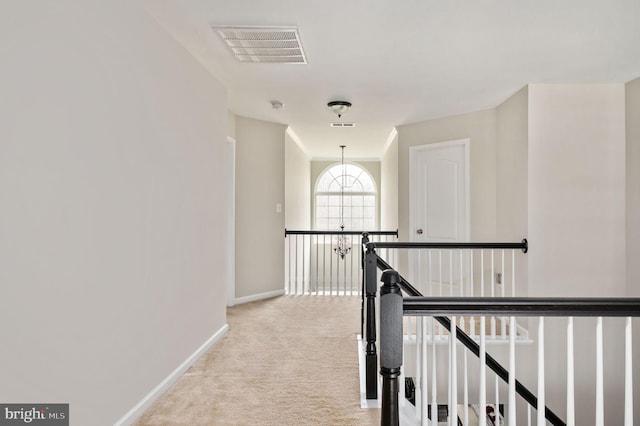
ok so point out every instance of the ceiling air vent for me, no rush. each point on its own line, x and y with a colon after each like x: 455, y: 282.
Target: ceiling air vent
x: 343, y: 124
x: 263, y: 44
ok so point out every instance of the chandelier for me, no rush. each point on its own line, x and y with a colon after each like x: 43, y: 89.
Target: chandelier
x: 342, y: 246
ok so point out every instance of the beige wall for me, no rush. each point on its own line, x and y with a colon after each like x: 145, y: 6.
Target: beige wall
x: 231, y: 125
x: 260, y: 171
x: 512, y: 126
x: 389, y: 188
x: 632, y: 108
x: 112, y: 168
x: 576, y: 190
x: 576, y: 180
x: 297, y: 187
x: 480, y: 128
x: 633, y: 187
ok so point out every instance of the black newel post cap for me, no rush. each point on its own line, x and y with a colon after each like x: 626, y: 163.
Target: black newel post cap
x: 389, y: 276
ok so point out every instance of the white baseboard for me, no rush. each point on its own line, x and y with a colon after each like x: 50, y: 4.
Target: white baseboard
x: 139, y: 409
x: 261, y: 296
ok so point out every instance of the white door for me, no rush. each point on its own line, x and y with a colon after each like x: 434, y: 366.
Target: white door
x: 439, y: 212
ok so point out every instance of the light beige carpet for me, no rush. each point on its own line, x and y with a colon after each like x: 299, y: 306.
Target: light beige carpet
x: 291, y: 360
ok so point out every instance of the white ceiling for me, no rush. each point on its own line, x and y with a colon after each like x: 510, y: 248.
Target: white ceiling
x: 402, y: 61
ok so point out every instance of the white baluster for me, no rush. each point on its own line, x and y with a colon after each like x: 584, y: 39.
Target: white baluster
x: 481, y: 273
x: 304, y: 276
x: 356, y: 260
x: 571, y: 410
x: 493, y: 293
x: 502, y: 277
x: 314, y: 243
x: 472, y: 320
x: 296, y: 267
x: 450, y: 272
x: 541, y: 397
x: 424, y: 384
x: 511, y: 409
x: 503, y: 322
x: 324, y: 264
x: 419, y: 278
x: 449, y: 396
x: 453, y: 405
x: 440, y: 272
x: 434, y: 382
x: 599, y: 374
x: 493, y: 275
x: 409, y: 321
x: 513, y: 273
x: 430, y: 275
x: 460, y: 257
x: 466, y: 390
x: 440, y: 285
x: 483, y: 374
x: 331, y: 268
x: 289, y: 256
x: 497, y: 398
x: 419, y: 366
x: 628, y: 373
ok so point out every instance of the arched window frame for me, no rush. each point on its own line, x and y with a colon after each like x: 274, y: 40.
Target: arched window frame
x: 367, y: 198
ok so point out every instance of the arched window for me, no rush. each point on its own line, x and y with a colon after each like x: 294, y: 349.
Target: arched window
x: 359, y: 207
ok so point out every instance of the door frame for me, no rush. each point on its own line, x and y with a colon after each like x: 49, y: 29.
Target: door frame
x: 231, y: 221
x: 465, y: 143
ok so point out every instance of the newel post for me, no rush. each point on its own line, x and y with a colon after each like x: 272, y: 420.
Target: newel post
x: 363, y: 292
x: 371, y: 288
x: 390, y: 346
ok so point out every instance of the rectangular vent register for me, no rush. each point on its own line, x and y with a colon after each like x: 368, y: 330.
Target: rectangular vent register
x: 263, y: 44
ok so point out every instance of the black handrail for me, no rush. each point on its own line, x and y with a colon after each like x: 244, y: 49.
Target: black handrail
x: 465, y: 339
x: 524, y: 306
x: 315, y: 232
x: 523, y: 245
x: 470, y: 344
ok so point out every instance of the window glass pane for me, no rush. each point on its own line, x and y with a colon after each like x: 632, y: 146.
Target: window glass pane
x: 358, y: 211
x: 369, y: 212
x: 367, y: 185
x: 324, y: 181
x: 334, y: 186
x: 322, y: 211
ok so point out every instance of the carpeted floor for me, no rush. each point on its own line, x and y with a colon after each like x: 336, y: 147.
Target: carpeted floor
x: 291, y: 360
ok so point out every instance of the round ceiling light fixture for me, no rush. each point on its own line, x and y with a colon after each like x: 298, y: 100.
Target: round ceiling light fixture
x: 339, y: 107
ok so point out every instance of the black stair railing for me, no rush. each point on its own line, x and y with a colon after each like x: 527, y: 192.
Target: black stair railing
x: 393, y: 307
x: 372, y: 262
